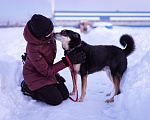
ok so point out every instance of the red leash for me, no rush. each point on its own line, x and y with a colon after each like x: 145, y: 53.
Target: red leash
x: 74, y: 78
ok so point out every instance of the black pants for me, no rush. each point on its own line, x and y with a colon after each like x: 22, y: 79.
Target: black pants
x: 51, y: 94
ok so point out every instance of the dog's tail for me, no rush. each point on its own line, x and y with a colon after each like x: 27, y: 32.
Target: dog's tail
x: 128, y: 42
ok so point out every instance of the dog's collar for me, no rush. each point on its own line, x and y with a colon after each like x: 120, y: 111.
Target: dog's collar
x: 68, y: 51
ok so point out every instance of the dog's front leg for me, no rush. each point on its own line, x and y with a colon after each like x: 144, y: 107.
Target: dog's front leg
x: 74, y: 88
x: 84, y: 85
x: 77, y: 69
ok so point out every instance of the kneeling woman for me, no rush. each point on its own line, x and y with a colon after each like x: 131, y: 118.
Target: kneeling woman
x: 41, y: 79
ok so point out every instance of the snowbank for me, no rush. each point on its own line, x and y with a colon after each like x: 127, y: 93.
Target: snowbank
x: 133, y: 103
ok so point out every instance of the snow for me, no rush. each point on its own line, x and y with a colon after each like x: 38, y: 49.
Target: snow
x: 132, y: 104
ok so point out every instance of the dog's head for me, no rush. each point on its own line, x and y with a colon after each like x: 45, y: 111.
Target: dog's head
x: 68, y: 38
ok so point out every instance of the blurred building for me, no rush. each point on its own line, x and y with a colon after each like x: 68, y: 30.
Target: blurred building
x: 73, y: 18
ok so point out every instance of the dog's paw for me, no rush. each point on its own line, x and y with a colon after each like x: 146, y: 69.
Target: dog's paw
x: 72, y: 93
x: 81, y: 99
x: 110, y: 100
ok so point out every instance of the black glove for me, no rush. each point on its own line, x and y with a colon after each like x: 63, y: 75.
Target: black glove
x: 75, y: 58
x: 24, y: 57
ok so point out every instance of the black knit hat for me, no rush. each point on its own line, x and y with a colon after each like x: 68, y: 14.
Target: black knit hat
x: 41, y: 25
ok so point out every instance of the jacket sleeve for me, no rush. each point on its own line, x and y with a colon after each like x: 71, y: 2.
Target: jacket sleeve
x: 42, y: 66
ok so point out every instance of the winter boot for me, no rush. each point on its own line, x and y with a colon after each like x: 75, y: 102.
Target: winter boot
x: 25, y: 89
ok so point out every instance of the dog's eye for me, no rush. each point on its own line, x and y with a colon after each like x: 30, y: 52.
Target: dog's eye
x: 63, y: 32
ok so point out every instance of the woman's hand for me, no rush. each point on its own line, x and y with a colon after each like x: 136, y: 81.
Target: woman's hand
x: 76, y: 58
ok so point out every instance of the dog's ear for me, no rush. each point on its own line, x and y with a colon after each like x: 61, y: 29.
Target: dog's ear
x: 76, y: 35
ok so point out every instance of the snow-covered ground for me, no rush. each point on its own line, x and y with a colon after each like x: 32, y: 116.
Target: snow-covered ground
x: 132, y: 104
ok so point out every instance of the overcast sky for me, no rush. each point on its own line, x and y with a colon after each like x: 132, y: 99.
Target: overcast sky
x: 22, y: 10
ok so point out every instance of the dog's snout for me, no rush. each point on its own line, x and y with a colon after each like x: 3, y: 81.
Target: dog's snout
x: 55, y: 34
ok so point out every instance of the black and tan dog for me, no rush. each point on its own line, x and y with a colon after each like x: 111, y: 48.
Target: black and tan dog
x: 97, y: 58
